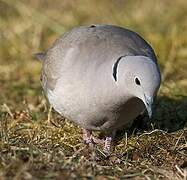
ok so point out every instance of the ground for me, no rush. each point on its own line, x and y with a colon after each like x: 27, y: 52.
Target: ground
x: 38, y: 144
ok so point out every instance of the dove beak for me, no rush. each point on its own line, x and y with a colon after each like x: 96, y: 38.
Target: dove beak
x: 148, y: 101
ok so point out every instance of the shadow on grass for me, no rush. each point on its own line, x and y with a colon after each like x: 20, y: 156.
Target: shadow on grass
x: 169, y: 115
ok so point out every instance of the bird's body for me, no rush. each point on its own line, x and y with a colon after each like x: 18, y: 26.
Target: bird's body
x: 82, y: 76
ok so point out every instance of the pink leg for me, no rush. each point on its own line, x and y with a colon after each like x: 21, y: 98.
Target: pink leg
x: 87, y: 136
x: 91, y: 140
x: 108, y: 142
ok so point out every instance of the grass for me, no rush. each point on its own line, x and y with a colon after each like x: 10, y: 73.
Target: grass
x: 37, y: 144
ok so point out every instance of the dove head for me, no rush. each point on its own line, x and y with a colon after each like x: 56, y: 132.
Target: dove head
x: 140, y: 77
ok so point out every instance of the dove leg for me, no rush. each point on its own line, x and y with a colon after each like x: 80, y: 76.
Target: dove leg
x: 108, y: 142
x: 87, y: 136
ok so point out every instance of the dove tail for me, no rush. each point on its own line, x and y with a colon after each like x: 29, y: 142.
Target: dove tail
x: 40, y: 56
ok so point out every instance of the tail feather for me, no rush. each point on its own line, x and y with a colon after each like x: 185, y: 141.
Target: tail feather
x: 40, y: 56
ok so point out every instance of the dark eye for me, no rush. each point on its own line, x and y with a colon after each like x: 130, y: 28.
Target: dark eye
x: 137, y: 81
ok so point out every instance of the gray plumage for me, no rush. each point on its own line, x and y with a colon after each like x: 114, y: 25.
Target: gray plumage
x: 100, y: 77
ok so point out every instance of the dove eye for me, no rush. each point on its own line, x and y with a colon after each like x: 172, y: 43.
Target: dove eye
x: 137, y: 81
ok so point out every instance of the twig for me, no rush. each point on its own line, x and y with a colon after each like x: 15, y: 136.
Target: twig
x: 49, y: 115
x: 182, y: 173
x: 178, y: 140
x: 149, y: 133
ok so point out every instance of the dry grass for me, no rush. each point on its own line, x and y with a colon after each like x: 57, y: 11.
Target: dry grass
x: 36, y: 145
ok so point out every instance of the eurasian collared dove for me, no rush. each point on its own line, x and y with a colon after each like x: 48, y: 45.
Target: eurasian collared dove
x: 100, y: 77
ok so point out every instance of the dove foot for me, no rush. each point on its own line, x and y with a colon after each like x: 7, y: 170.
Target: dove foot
x: 108, y: 143
x: 91, y: 141
x: 87, y: 137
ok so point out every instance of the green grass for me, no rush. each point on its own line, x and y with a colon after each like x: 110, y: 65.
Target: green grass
x: 37, y: 144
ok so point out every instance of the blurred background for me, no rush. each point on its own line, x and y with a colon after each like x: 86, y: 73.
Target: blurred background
x: 30, y: 26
